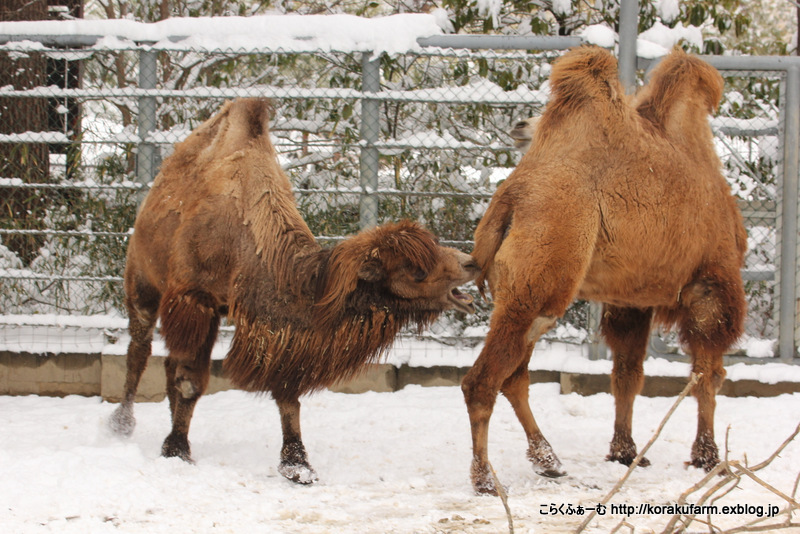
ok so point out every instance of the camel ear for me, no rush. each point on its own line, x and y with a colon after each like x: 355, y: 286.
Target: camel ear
x: 372, y: 269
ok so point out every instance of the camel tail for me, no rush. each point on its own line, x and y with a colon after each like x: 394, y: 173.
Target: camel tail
x: 489, y: 236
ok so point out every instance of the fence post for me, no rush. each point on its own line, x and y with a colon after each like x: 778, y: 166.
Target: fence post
x: 598, y: 350
x: 146, y: 153
x: 370, y: 134
x: 628, y: 33
x: 791, y: 168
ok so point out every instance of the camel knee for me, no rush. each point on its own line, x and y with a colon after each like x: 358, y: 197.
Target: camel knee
x: 189, y: 382
x: 710, y: 381
x: 541, y: 325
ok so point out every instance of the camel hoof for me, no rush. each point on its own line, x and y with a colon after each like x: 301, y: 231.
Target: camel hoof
x: 551, y: 472
x: 544, y: 460
x: 177, y: 446
x: 482, y: 479
x: 705, y: 454
x: 706, y: 464
x: 626, y: 459
x: 298, y: 473
x: 122, y: 421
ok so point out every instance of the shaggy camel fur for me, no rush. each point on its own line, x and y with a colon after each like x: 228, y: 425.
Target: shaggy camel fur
x: 620, y: 202
x: 220, y: 234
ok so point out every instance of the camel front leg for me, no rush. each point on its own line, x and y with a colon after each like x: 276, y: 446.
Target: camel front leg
x: 122, y: 421
x: 294, y: 460
x: 626, y: 331
x: 190, y: 322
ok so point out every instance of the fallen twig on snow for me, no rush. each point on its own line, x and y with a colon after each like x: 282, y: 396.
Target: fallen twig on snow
x: 501, y: 492
x: 733, y: 471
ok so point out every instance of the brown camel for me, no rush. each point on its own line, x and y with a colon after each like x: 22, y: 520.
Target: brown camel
x: 220, y: 234
x: 622, y: 202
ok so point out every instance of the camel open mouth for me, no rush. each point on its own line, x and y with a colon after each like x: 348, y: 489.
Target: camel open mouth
x: 461, y: 301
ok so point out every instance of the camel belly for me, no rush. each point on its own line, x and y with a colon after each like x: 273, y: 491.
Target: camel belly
x: 648, y: 287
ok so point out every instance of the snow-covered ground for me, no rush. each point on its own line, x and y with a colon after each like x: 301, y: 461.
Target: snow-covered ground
x: 387, y: 462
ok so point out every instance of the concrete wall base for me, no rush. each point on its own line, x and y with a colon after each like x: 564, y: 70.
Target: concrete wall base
x: 104, y: 375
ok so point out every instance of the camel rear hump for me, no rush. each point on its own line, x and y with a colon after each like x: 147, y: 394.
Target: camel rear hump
x: 680, y: 79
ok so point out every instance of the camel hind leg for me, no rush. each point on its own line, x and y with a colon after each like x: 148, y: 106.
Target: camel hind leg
x: 142, y: 307
x: 626, y: 331
x: 710, y: 321
x: 190, y: 322
x: 517, y: 390
x: 503, y: 353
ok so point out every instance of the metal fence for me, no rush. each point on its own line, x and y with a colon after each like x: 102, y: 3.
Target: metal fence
x: 365, y: 140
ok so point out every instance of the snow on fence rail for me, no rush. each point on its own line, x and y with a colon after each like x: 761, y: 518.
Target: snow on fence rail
x: 420, y: 132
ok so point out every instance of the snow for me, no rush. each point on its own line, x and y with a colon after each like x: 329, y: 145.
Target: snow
x: 490, y: 8
x: 668, y: 10
x: 653, y: 43
x: 659, y: 39
x: 34, y: 137
x: 296, y: 33
x: 387, y: 462
x: 562, y: 7
x: 598, y: 34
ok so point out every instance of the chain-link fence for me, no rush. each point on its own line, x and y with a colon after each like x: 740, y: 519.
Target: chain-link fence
x: 422, y: 136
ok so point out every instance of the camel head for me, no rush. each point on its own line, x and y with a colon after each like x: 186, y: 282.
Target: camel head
x: 400, y: 267
x: 522, y: 133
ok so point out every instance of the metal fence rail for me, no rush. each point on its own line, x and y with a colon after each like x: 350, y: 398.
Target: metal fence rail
x: 365, y: 140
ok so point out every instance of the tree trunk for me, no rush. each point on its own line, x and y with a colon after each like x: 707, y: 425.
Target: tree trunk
x: 23, y: 208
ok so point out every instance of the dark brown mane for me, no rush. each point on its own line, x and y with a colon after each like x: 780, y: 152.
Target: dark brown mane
x: 353, y: 320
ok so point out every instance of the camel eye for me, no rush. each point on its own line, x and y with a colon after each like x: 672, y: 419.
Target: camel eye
x: 420, y: 275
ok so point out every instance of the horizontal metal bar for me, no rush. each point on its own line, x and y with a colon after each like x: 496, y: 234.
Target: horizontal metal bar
x: 61, y: 278
x: 776, y: 63
x: 501, y: 42
x: 62, y: 233
x: 14, y: 184
x: 52, y: 40
x: 758, y: 276
x: 456, y: 95
x: 396, y: 192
